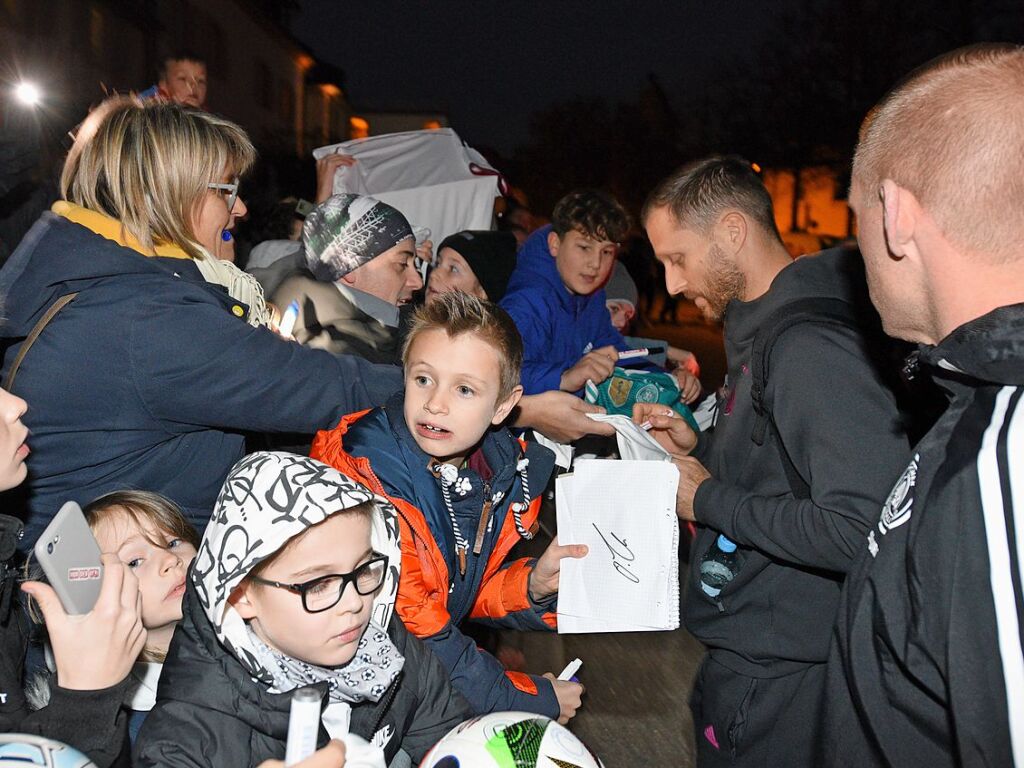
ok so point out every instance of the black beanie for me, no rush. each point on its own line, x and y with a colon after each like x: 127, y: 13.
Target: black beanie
x: 491, y: 256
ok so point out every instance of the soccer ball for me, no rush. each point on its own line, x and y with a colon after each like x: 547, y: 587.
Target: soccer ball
x: 514, y: 739
x: 18, y: 750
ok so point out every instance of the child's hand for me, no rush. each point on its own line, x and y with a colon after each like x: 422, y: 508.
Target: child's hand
x: 689, y: 385
x: 95, y: 650
x: 569, y: 697
x: 684, y: 359
x: 667, y: 427
x: 326, y: 167
x: 597, y: 365
x: 425, y: 252
x: 331, y: 756
x: 544, y: 578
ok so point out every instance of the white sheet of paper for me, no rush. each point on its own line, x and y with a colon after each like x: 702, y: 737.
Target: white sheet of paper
x: 634, y: 443
x: 584, y: 625
x: 624, y: 511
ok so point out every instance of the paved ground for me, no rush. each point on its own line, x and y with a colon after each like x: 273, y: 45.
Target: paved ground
x: 635, y: 710
x: 692, y: 332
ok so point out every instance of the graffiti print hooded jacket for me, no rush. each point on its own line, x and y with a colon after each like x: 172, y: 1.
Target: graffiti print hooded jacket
x: 219, y: 703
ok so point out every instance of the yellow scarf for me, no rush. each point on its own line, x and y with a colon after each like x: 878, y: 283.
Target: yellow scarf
x: 240, y: 286
x: 112, y: 229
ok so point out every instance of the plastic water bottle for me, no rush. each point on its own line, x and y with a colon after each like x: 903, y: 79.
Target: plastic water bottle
x: 719, y: 566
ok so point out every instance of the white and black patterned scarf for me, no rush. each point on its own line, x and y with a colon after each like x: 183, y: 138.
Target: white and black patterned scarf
x: 268, y: 499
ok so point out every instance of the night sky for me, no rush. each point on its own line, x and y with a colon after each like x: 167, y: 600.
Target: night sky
x: 490, y: 65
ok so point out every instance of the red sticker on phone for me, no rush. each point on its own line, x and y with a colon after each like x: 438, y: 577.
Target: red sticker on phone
x: 83, y: 574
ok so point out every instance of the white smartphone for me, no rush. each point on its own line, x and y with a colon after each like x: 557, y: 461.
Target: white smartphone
x: 70, y: 558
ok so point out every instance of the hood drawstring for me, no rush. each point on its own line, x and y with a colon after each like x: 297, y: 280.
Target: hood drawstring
x: 519, y: 507
x: 449, y: 475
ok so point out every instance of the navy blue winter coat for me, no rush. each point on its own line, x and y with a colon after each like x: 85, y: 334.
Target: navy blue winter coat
x: 434, y: 598
x: 149, y: 378
x: 558, y: 327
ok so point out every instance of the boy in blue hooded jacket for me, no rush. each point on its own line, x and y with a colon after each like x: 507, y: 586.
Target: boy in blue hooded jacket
x: 556, y: 295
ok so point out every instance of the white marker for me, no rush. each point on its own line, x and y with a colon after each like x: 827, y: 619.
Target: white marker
x: 571, y: 669
x: 291, y: 314
x: 303, y: 725
x: 629, y: 354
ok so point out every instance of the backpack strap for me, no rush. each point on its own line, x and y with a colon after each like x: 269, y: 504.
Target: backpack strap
x: 50, y: 313
x: 822, y: 311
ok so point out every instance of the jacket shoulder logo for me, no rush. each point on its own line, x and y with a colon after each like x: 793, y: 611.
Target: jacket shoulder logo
x: 899, y: 505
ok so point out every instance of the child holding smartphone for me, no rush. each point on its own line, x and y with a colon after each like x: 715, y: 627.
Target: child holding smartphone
x: 92, y: 652
x: 149, y: 534
x: 294, y: 586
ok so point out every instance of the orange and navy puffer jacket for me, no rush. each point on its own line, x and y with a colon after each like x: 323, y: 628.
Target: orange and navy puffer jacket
x: 376, y: 448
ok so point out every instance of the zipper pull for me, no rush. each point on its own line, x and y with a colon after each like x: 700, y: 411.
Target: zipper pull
x: 461, y: 552
x: 483, y: 526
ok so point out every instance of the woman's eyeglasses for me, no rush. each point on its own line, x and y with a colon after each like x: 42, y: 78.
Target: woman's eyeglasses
x: 231, y: 189
x: 324, y: 592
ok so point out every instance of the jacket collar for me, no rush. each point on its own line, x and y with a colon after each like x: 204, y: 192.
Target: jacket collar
x: 989, y: 348
x: 112, y: 229
x: 500, y: 450
x: 384, y: 313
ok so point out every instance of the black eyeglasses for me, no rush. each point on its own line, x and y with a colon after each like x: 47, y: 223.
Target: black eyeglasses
x: 324, y: 592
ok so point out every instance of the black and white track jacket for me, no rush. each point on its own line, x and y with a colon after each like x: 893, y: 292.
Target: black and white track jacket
x: 927, y: 666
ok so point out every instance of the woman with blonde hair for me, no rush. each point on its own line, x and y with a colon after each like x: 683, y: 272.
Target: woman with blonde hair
x: 141, y: 372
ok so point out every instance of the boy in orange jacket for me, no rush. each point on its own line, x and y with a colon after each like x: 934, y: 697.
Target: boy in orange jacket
x: 466, y: 491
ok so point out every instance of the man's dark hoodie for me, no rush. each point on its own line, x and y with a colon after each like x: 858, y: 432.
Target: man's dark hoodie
x: 840, y: 427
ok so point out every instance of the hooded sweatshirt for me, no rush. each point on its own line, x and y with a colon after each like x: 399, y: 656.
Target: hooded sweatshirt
x: 558, y: 326
x: 224, y: 699
x: 150, y: 376
x: 839, y: 423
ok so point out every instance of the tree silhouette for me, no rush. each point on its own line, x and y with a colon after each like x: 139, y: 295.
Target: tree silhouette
x: 822, y: 67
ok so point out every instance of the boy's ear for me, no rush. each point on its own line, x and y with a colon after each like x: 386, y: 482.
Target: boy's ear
x: 240, y: 599
x: 554, y: 243
x: 505, y: 408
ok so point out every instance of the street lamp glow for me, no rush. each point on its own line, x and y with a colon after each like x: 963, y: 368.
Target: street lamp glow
x: 27, y: 94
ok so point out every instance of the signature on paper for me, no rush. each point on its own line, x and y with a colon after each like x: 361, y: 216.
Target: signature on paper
x: 622, y: 555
